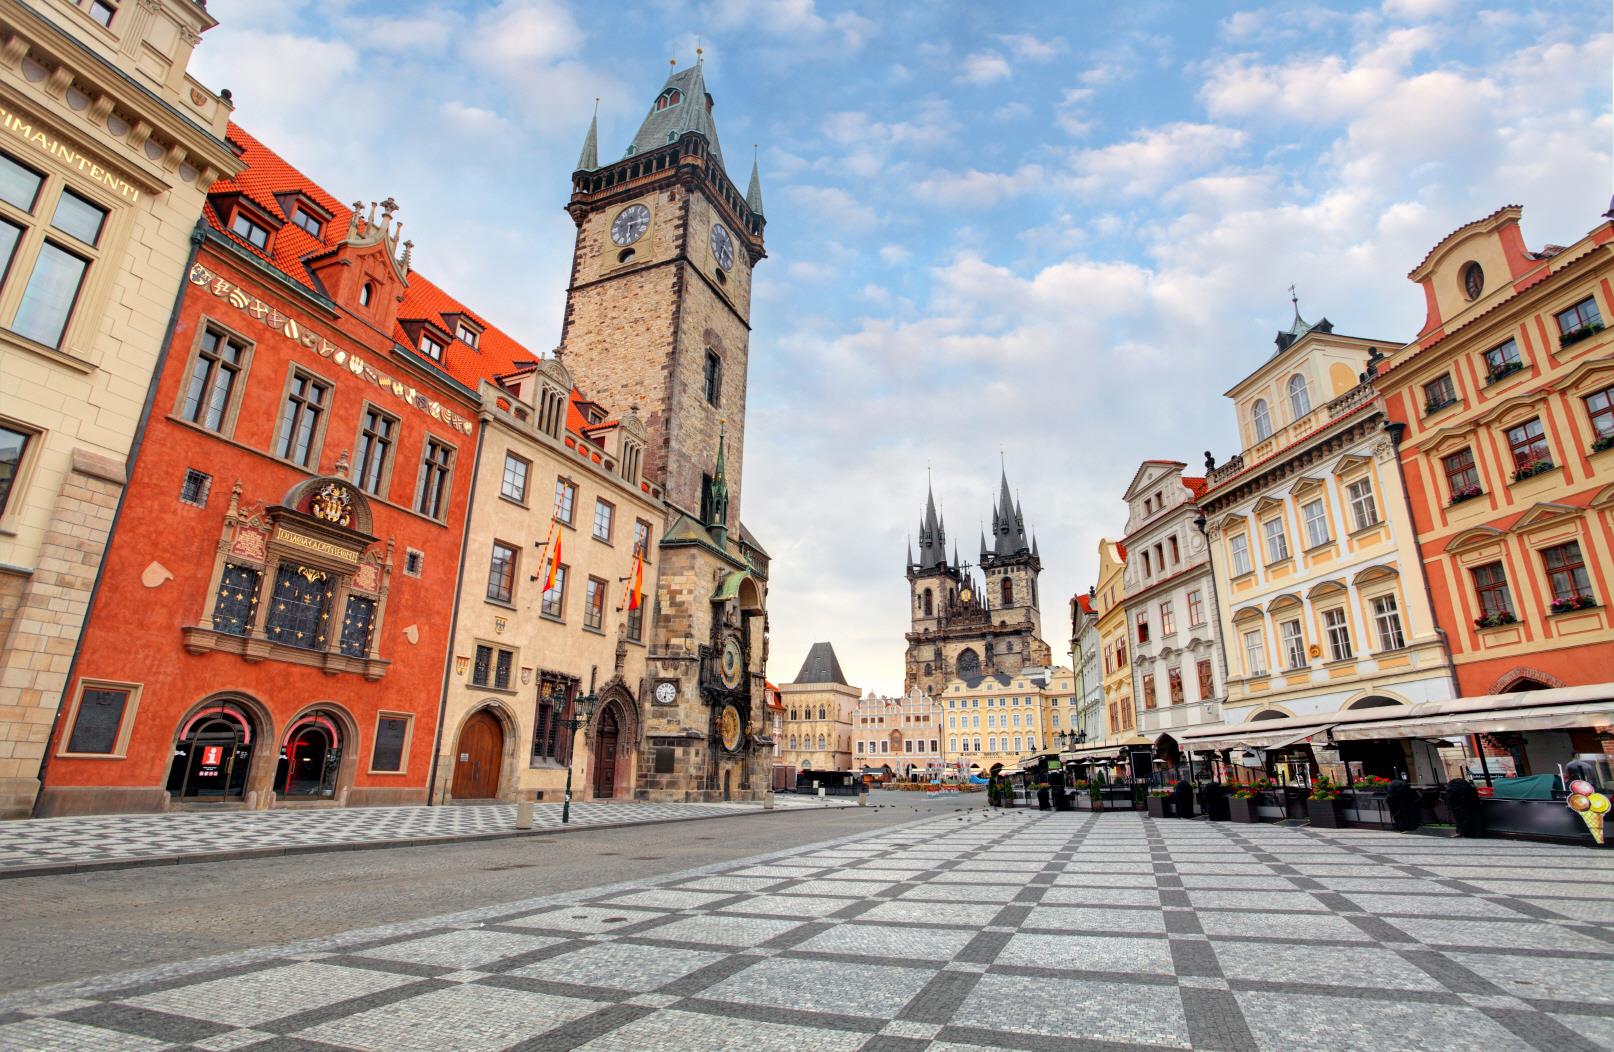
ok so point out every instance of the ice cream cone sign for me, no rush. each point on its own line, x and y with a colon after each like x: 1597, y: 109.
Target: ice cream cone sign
x: 1591, y: 806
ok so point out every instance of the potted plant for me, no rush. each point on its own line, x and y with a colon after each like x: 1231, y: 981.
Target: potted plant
x: 1602, y: 442
x: 1159, y: 803
x: 1576, y: 335
x: 1431, y: 407
x: 1466, y: 493
x: 1496, y: 620
x: 1505, y: 369
x: 1574, y: 602
x: 1242, y: 806
x: 1370, y: 783
x: 1324, y: 806
x: 1532, y: 467
x: 1043, y: 796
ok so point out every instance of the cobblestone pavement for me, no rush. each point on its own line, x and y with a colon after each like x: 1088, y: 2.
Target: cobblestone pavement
x: 102, y: 839
x: 991, y: 930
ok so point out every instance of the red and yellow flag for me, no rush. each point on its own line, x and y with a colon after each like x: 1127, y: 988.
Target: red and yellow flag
x: 554, y: 557
x: 636, y: 593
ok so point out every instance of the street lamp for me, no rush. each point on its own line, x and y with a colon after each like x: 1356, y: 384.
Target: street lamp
x: 582, y: 712
x: 1071, y: 739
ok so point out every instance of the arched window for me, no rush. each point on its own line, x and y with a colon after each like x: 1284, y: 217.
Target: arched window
x: 1299, y: 397
x: 928, y: 607
x: 1261, y: 417
x: 670, y: 97
x: 213, y: 753
x: 310, y: 757
x: 366, y: 294
x: 820, y: 741
x: 792, y: 741
x: 821, y: 712
x: 1008, y: 591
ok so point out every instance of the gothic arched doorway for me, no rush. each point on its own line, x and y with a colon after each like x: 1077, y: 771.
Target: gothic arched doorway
x: 310, y: 758
x: 212, y: 754
x: 607, y: 733
x: 480, y: 757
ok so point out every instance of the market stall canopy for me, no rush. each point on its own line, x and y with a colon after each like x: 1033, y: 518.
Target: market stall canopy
x: 1113, y: 748
x: 1012, y: 770
x: 1558, y: 708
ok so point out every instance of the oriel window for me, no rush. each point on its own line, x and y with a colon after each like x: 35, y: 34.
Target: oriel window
x: 300, y: 613
x: 236, y: 600
x: 357, y: 622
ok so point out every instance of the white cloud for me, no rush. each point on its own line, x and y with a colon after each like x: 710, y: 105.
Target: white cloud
x: 1030, y: 48
x: 977, y: 189
x: 832, y: 205
x: 1418, y: 10
x: 894, y: 254
x: 1155, y: 156
x: 1012, y: 111
x: 794, y: 19
x: 1072, y: 113
x: 985, y: 67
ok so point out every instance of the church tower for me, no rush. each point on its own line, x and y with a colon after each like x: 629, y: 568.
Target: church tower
x: 658, y: 311
x: 1011, y: 566
x: 658, y: 323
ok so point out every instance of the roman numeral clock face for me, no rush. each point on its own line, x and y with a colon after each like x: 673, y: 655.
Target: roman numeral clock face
x: 722, y: 246
x: 630, y: 224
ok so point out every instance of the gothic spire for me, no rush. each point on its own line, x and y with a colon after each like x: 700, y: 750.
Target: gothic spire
x: 590, y: 158
x: 720, y: 490
x: 753, y: 193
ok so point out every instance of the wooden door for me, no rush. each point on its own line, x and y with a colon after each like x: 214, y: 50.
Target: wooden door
x: 478, y: 760
x: 605, y: 756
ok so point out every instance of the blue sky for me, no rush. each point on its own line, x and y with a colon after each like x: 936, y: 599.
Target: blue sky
x: 1054, y: 232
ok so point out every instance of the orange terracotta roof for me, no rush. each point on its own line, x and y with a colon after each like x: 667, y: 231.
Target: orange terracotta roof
x: 1195, y: 484
x: 1085, y: 601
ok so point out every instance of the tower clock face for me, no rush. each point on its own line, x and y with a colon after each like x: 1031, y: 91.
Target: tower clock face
x: 733, y: 663
x: 630, y: 224
x: 722, y: 246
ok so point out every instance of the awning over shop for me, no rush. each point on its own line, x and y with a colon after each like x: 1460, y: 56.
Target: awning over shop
x: 1558, y: 708
x: 1012, y: 770
x: 1111, y: 749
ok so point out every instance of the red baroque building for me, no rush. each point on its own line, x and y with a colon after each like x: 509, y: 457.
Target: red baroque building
x: 1506, y: 408
x: 273, y: 619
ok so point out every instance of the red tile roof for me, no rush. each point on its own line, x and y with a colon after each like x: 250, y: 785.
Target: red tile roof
x: 497, y: 354
x: 1085, y: 601
x: 1195, y: 484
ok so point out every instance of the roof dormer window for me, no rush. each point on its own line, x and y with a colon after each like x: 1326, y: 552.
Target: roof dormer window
x: 670, y: 97
x: 467, y: 335
x: 431, y: 347
x: 309, y: 223
x: 255, y: 235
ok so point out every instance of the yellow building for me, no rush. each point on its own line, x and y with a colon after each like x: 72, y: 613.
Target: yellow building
x: 1319, y: 581
x: 819, y: 709
x: 999, y: 719
x: 524, y: 654
x: 107, y: 148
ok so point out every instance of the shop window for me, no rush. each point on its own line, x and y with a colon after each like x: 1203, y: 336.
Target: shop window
x: 194, y: 488
x: 1566, y: 573
x: 553, y: 603
x: 14, y: 445
x: 502, y: 572
x: 514, y: 482
x: 1387, y: 623
x: 373, y: 466
x: 98, y: 721
x: 250, y: 231
x: 1338, y: 632
x: 50, y: 258
x: 603, y: 515
x: 565, y: 501
x: 1491, y: 587
x: 594, y: 604
x: 432, y: 490
x: 310, y: 757
x: 237, y: 599
x: 300, y: 610
x: 302, y: 415
x: 212, y: 388
x: 358, y: 620
x: 1364, y: 509
x: 391, y: 737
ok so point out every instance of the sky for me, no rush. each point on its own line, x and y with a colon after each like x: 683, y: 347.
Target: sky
x: 1042, y: 236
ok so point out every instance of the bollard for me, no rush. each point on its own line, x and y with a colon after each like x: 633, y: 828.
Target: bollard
x: 523, y: 813
x: 821, y: 792
x: 862, y: 799
x: 767, y: 801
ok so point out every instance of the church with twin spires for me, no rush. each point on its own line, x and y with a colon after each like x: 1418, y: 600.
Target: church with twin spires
x: 965, y: 626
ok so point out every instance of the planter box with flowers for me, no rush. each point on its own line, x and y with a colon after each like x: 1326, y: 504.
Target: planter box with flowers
x: 1602, y: 442
x: 1324, y: 807
x: 1576, y: 335
x: 1496, y: 620
x: 1159, y: 803
x: 1085, y: 796
x: 1370, y: 804
x: 1501, y: 372
x: 1244, y: 804
x: 1466, y: 493
x: 1431, y: 407
x: 1531, y: 468
x: 1574, y: 602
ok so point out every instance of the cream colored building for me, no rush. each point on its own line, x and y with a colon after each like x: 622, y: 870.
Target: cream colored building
x: 108, y: 148
x: 523, y: 655
x: 1322, y: 600
x: 902, y: 736
x: 999, y: 718
x: 818, y: 714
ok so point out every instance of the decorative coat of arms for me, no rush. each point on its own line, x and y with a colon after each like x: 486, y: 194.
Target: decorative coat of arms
x: 333, y: 503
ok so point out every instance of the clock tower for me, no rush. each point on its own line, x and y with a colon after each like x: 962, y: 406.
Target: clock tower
x: 658, y: 321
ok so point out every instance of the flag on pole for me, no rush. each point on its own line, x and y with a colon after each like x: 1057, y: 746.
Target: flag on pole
x: 636, y: 593
x: 554, y: 557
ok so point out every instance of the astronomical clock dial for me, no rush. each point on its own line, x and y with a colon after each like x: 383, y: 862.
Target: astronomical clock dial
x: 733, y: 663
x: 722, y: 246
x: 965, y: 594
x: 728, y: 728
x: 666, y: 693
x: 630, y: 224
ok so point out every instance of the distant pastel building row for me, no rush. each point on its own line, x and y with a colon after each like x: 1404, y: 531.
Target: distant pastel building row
x: 1407, y: 524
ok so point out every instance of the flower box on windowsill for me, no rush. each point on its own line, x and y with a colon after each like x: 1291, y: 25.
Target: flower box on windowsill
x: 1431, y: 408
x: 1503, y: 371
x: 1532, y: 468
x: 1496, y: 620
x: 1602, y: 442
x: 1468, y: 493
x: 1573, y: 603
x: 1579, y: 334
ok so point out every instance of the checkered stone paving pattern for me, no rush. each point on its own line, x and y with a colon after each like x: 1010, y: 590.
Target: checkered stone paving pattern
x: 111, y: 840
x: 995, y: 930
